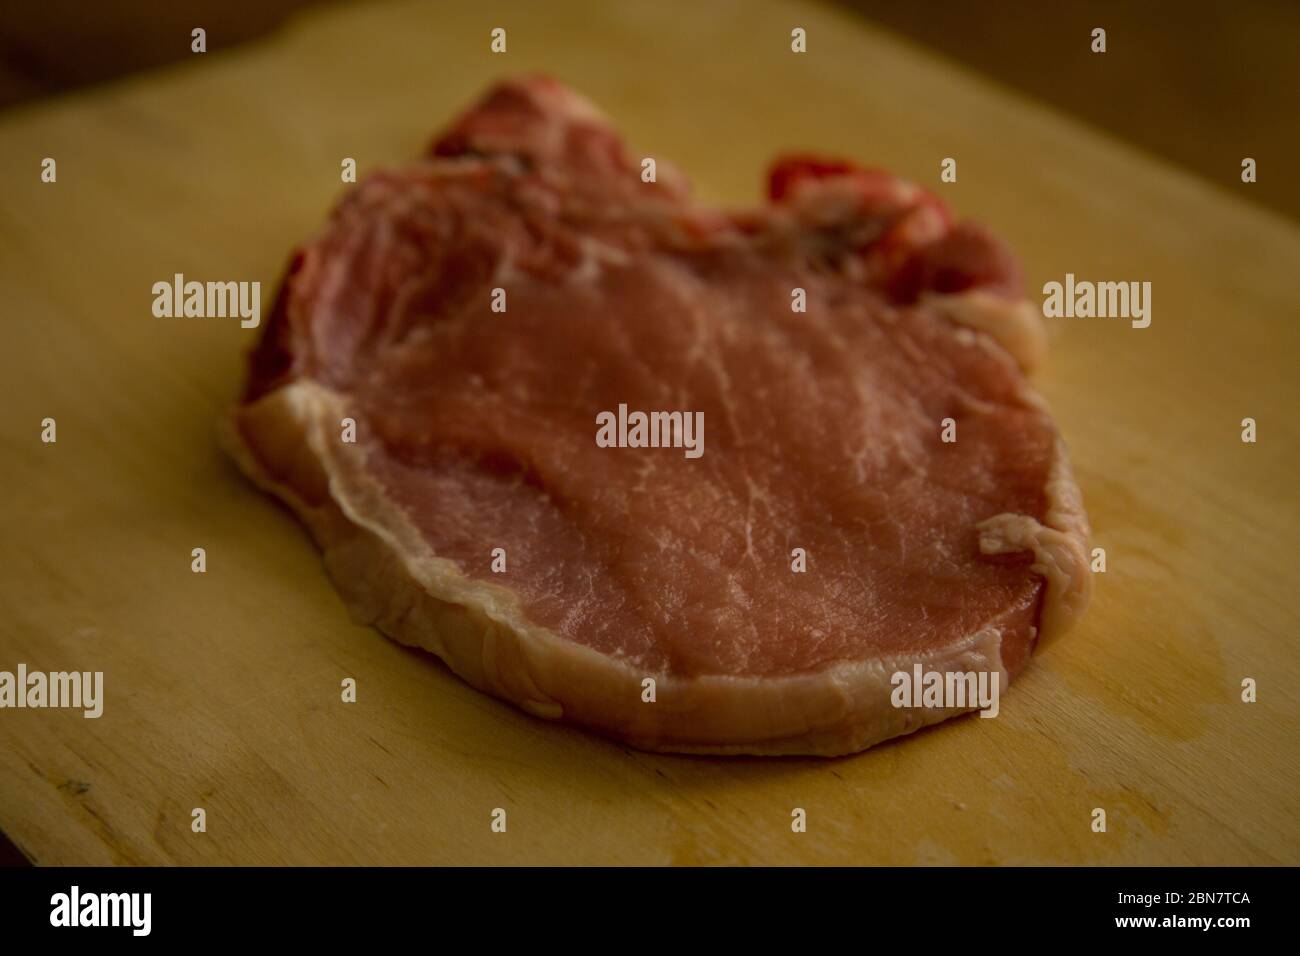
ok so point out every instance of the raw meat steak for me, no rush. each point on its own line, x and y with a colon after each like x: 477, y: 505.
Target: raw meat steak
x: 475, y: 430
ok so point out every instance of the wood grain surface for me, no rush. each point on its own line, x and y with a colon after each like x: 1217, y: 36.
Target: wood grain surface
x: 222, y: 689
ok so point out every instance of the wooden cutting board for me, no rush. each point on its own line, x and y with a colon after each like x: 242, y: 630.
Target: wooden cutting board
x: 222, y: 690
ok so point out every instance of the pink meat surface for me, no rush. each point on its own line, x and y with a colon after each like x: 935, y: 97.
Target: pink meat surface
x: 822, y: 429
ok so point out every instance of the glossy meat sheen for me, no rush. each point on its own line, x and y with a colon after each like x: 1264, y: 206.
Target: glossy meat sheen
x: 822, y: 429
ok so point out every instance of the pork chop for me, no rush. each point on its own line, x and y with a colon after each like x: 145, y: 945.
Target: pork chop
x: 641, y: 592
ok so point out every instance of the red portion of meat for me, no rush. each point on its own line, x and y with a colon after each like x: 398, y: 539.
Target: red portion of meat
x: 271, y: 363
x: 822, y: 429
x: 912, y: 245
x: 543, y: 123
x: 880, y: 193
x: 968, y: 257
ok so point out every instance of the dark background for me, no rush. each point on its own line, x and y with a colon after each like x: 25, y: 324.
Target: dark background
x: 1200, y: 83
